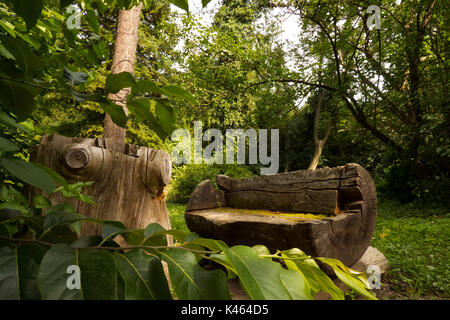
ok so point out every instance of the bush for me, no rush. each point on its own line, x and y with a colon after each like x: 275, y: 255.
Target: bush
x: 187, y: 177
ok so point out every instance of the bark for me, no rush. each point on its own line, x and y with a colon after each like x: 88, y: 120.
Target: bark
x: 123, y: 60
x: 318, y: 143
x: 128, y: 180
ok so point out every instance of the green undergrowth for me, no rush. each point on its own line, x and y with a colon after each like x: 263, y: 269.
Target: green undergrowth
x: 415, y: 242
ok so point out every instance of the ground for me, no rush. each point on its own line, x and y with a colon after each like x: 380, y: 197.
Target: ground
x: 415, y: 242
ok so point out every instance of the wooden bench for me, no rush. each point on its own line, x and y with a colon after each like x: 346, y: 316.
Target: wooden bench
x: 343, y: 198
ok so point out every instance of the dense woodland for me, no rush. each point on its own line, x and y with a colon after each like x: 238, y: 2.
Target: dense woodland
x: 384, y: 92
x: 345, y: 92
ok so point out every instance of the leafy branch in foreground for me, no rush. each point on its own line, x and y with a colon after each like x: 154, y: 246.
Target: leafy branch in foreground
x: 37, y: 264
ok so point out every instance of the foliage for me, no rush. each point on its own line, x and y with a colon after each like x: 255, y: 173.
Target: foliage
x: 187, y: 177
x: 393, y: 81
x: 43, y: 267
x: 414, y: 241
x: 223, y: 62
x: 176, y: 215
x: 30, y: 59
x: 388, y: 103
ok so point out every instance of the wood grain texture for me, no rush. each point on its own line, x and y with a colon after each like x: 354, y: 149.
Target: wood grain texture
x: 346, y: 193
x: 128, y: 180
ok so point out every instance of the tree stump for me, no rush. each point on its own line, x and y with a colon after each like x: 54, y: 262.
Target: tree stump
x: 128, y: 180
x: 345, y: 194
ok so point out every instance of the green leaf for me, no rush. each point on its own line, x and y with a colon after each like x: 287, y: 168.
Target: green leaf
x: 8, y: 214
x: 17, y: 99
x: 23, y: 54
x: 12, y: 123
x: 9, y: 274
x: 55, y: 175
x: 183, y: 4
x: 157, y: 280
x: 87, y: 241
x: 181, y: 93
x: 147, y: 3
x: 220, y: 259
x: 41, y: 202
x: 65, y: 3
x: 125, y: 4
x: 190, y: 281
x: 134, y: 268
x: 9, y: 194
x: 29, y: 173
x: 14, y: 206
x: 211, y: 244
x: 143, y: 86
x: 60, y: 233
x: 166, y: 116
x: 134, y: 237
x: 177, y: 234
x: 150, y: 239
x: 261, y: 250
x: 7, y: 146
x: 53, y: 277
x: 30, y: 11
x: 156, y: 127
x: 259, y: 277
x: 112, y: 228
x: 93, y: 20
x: 296, y: 285
x: 29, y: 259
x: 116, y: 112
x: 141, y: 108
x: 349, y: 277
x: 8, y: 27
x: 55, y: 218
x: 308, y: 268
x: 118, y: 81
x: 98, y: 274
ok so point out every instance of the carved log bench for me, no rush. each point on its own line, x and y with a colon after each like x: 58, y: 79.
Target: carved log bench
x: 265, y: 210
x: 128, y: 179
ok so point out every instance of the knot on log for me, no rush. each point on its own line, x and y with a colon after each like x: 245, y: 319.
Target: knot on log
x: 76, y: 158
x: 128, y: 179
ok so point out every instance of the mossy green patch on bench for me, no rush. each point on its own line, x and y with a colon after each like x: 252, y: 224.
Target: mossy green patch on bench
x: 293, y: 216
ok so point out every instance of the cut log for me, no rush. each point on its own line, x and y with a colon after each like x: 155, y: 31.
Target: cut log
x: 346, y: 194
x: 128, y: 180
x: 206, y: 197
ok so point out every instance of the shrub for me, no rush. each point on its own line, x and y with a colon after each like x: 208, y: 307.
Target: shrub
x: 187, y: 177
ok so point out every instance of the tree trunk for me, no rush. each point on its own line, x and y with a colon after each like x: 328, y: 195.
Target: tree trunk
x: 319, y: 143
x: 123, y: 60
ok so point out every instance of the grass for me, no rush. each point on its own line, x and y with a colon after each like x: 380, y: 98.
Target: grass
x: 176, y: 213
x: 414, y: 241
